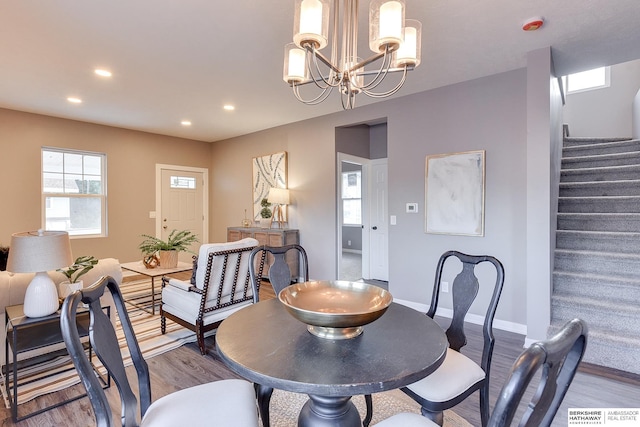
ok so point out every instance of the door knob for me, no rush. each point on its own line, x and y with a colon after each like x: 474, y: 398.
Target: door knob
x: 375, y: 227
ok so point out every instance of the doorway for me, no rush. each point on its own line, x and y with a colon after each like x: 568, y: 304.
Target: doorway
x: 181, y: 203
x: 361, y: 190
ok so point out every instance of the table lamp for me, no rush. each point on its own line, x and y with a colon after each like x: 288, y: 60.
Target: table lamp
x: 278, y: 197
x: 37, y: 252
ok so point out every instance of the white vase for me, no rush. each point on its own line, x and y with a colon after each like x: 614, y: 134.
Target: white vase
x: 265, y: 222
x: 41, y: 297
x: 66, y: 288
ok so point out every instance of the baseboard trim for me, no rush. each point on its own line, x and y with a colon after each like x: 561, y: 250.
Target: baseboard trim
x: 471, y: 318
x: 610, y: 373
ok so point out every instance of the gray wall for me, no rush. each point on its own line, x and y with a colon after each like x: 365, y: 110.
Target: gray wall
x: 488, y: 113
x: 605, y: 112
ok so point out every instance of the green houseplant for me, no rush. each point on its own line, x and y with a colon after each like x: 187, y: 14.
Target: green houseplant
x: 79, y: 268
x: 167, y: 250
x: 265, y: 213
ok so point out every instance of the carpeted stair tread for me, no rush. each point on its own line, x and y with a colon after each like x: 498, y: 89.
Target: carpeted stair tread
x: 600, y: 160
x: 606, y: 147
x: 617, y: 222
x: 578, y: 140
x: 609, y: 173
x: 622, y: 290
x: 622, y: 187
x: 600, y: 204
x: 600, y: 241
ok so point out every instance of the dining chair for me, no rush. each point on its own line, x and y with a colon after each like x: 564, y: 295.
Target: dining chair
x: 556, y: 360
x: 232, y: 401
x: 279, y: 275
x: 459, y: 376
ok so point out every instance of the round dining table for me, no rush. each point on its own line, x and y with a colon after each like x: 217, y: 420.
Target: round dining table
x: 266, y: 345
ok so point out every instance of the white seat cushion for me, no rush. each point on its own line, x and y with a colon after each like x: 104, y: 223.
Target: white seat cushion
x: 456, y: 374
x: 185, y: 305
x: 407, y: 419
x: 224, y: 403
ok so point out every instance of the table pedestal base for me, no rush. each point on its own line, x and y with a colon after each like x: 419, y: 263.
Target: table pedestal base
x: 329, y: 411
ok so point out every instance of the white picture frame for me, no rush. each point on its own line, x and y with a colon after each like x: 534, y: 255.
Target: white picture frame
x: 454, y: 193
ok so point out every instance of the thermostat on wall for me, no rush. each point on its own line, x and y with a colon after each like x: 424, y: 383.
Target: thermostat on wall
x: 412, y: 208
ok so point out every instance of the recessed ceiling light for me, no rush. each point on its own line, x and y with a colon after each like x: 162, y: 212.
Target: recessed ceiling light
x: 102, y: 73
x: 229, y: 107
x: 74, y: 100
x: 185, y: 123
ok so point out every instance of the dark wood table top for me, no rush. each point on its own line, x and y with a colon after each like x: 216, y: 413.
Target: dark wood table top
x: 265, y: 344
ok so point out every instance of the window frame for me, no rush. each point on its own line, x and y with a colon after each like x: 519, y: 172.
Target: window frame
x: 343, y: 198
x: 606, y: 84
x: 49, y: 195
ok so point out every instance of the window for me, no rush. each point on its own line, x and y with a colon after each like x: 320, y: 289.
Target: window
x: 588, y: 80
x: 351, y: 198
x: 74, y: 191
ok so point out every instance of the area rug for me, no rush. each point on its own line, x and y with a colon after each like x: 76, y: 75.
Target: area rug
x: 285, y: 407
x: 59, y: 373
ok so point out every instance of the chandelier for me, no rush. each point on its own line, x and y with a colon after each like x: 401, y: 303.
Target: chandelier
x: 394, y: 41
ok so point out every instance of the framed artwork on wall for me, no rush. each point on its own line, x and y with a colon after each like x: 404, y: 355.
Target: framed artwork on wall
x: 268, y: 171
x: 454, y: 193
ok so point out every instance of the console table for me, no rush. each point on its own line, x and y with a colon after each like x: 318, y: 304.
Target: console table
x: 270, y: 237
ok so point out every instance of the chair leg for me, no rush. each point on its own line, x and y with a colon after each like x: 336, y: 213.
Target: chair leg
x: 200, y: 337
x: 369, y: 403
x: 163, y: 325
x: 263, y: 394
x: 436, y: 417
x: 484, y: 404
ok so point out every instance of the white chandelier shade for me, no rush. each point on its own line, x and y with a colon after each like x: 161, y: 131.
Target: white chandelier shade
x: 394, y: 41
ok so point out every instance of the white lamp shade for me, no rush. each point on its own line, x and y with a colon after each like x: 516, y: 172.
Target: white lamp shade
x: 38, y: 252
x: 278, y: 196
x: 35, y: 251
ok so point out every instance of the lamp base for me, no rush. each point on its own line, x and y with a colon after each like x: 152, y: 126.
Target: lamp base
x: 41, y: 298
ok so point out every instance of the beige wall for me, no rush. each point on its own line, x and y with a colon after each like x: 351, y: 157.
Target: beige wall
x: 131, y: 160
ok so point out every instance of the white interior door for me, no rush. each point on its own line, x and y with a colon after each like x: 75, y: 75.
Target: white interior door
x: 182, y: 204
x: 379, y: 230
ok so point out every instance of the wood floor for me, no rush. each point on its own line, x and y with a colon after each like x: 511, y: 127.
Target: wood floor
x: 185, y: 367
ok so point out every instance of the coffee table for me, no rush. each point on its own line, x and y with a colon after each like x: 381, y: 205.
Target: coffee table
x: 265, y: 344
x: 139, y: 267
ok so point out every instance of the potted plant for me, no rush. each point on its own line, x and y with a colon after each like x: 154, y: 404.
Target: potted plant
x: 79, y: 268
x: 265, y: 214
x: 167, y: 251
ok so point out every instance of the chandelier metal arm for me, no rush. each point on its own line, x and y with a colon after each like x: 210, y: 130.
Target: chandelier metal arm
x: 389, y: 92
x: 317, y: 100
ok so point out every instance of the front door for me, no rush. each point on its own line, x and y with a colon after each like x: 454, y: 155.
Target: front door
x: 182, y: 207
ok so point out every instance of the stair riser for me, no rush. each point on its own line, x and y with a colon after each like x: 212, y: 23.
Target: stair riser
x: 621, y: 324
x: 598, y: 149
x: 615, y: 188
x: 599, y: 205
x: 612, y: 174
x: 597, y: 263
x: 616, y: 223
x: 598, y: 243
x: 599, y: 289
x: 608, y: 352
x: 623, y: 159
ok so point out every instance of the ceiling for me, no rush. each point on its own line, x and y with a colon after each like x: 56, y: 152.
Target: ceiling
x: 175, y: 60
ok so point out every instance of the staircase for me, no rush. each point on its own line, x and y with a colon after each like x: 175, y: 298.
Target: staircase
x: 597, y: 259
